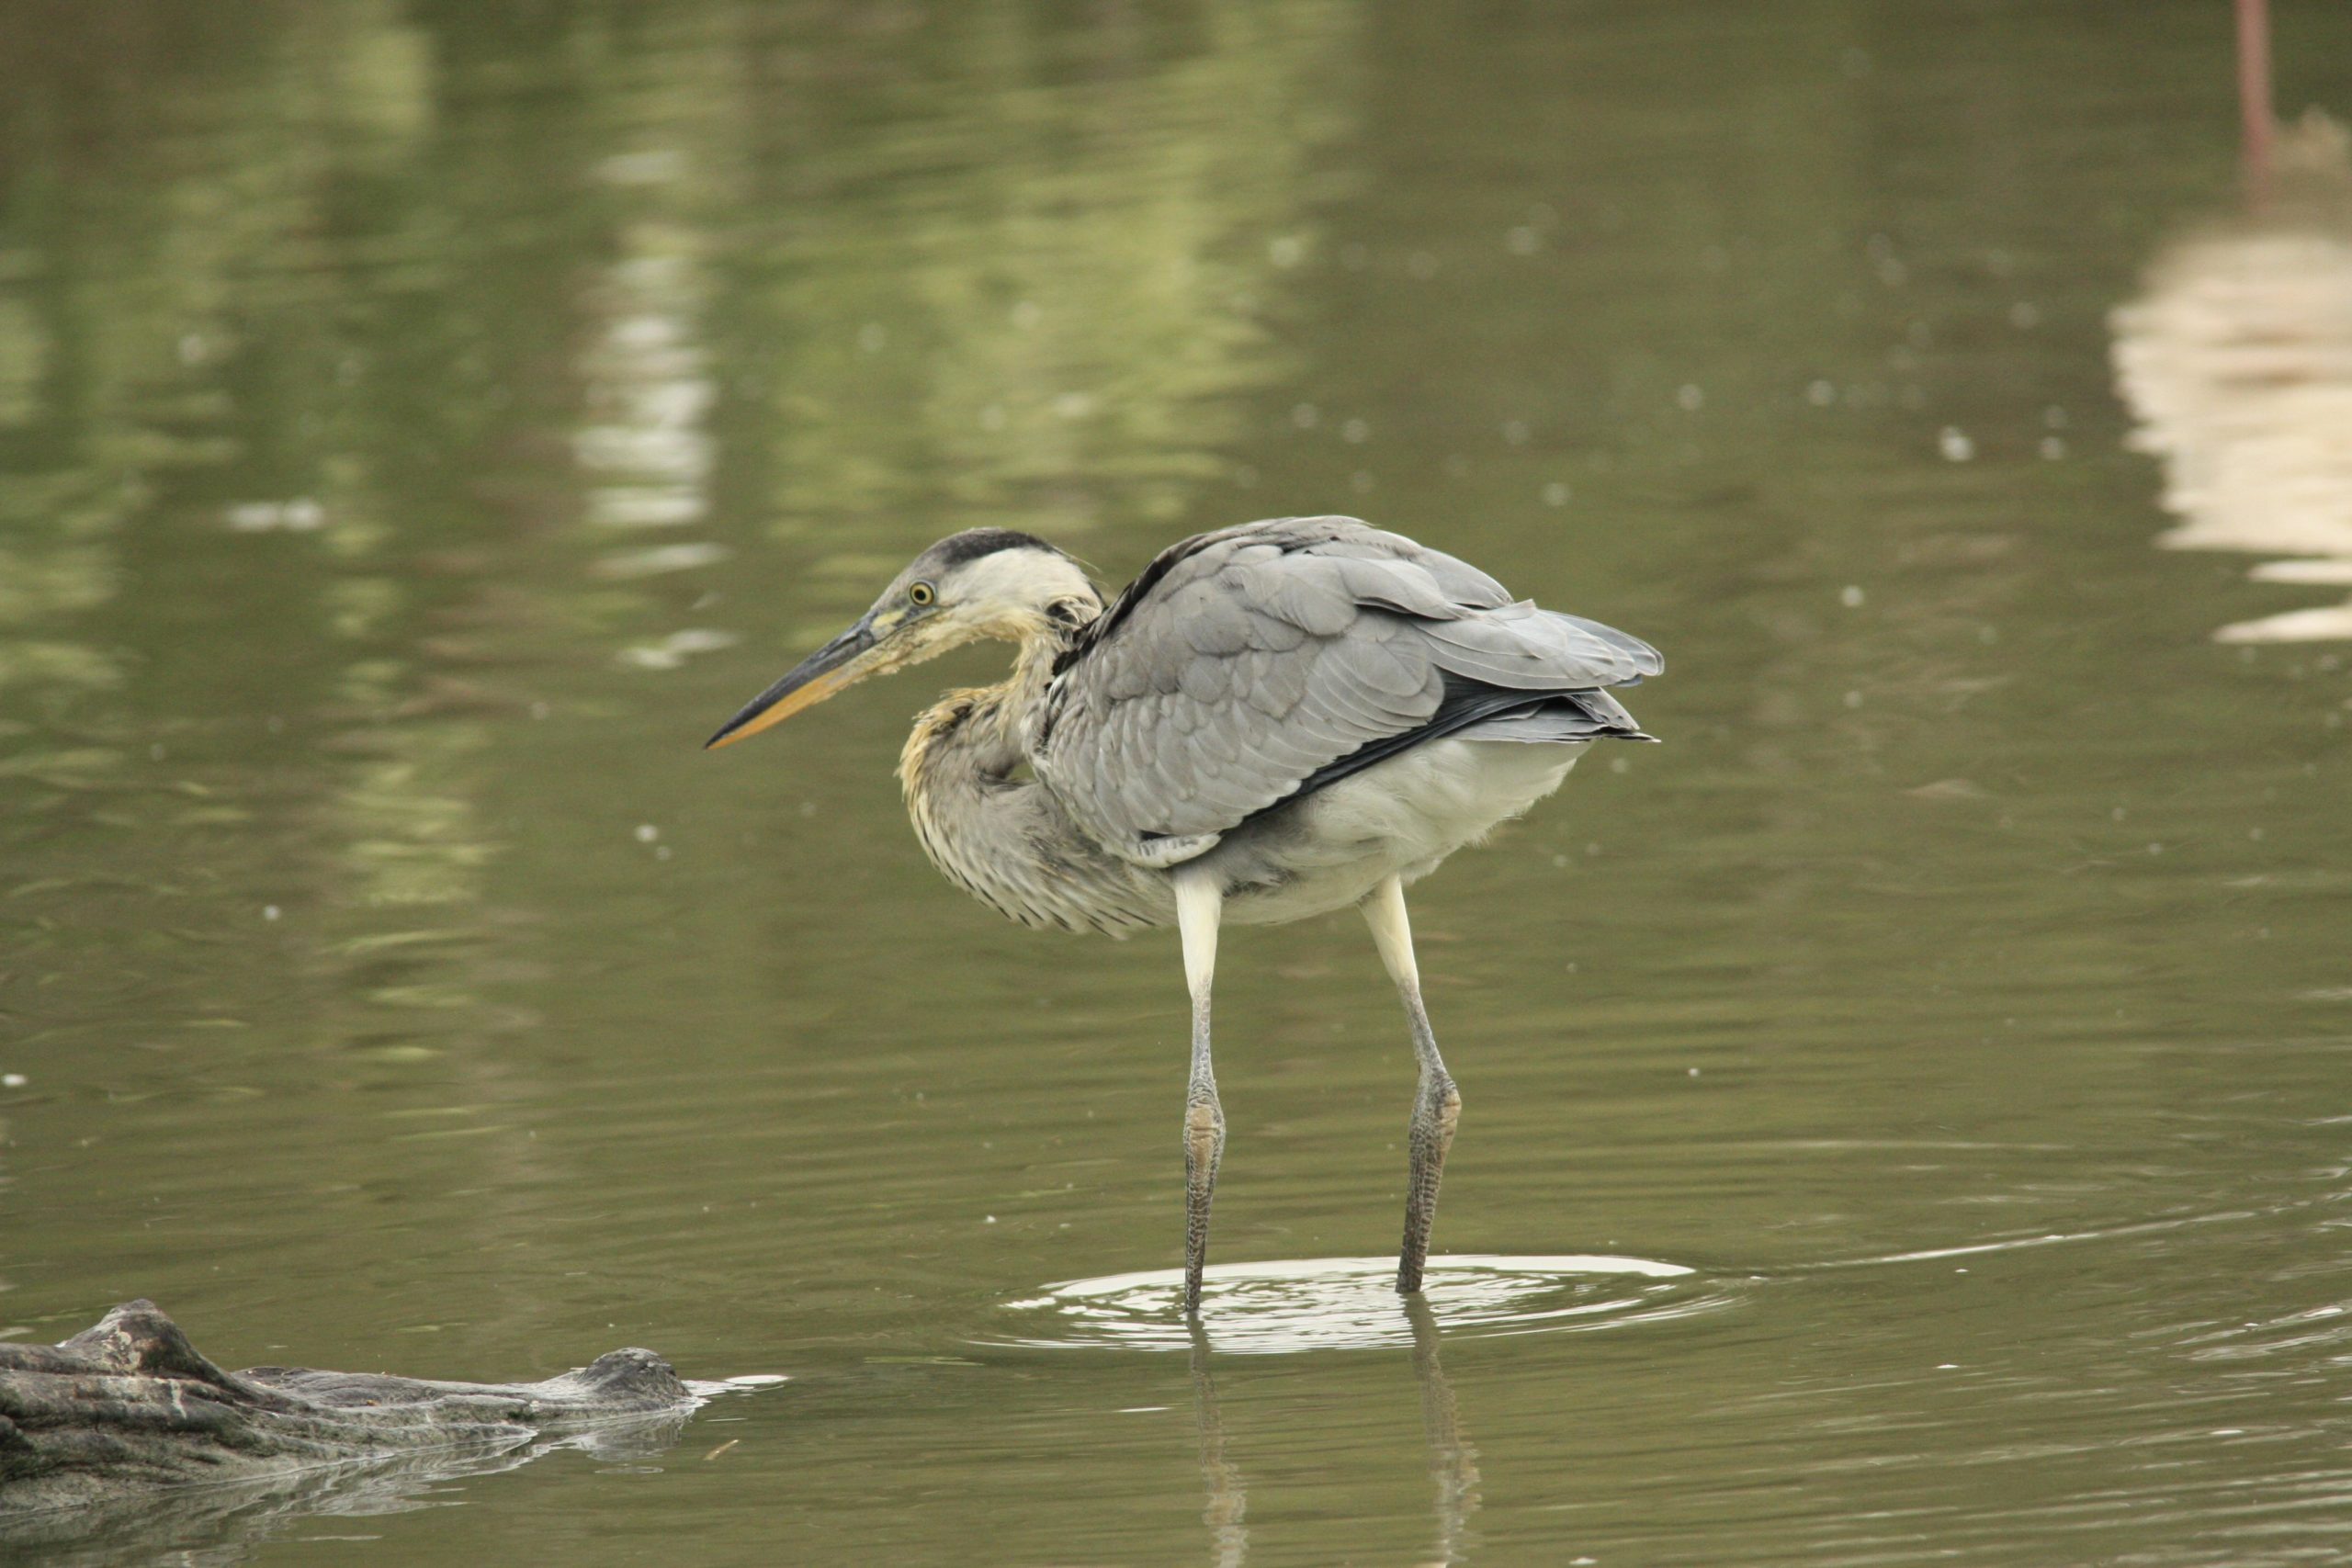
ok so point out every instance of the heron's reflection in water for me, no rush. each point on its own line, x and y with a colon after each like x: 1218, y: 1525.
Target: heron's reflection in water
x: 1229, y: 1503
x: 1453, y: 1463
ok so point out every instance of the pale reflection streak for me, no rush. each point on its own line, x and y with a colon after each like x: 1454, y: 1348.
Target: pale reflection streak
x: 2236, y: 362
x: 1454, y: 1463
x: 646, y: 452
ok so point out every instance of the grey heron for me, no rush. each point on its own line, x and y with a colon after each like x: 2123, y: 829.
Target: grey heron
x: 1273, y: 721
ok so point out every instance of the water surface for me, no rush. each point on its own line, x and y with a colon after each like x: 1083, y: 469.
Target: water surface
x: 421, y: 424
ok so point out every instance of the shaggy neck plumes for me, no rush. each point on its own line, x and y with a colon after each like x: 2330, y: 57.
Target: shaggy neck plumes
x: 995, y: 832
x: 971, y: 737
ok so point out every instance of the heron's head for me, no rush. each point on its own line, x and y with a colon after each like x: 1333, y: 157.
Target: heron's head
x: 983, y: 582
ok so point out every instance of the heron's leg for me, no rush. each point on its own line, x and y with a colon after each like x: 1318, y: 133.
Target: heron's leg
x: 1199, y: 902
x: 1437, y: 1105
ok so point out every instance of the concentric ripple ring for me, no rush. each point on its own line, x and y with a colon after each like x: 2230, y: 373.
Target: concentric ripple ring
x: 1289, y: 1306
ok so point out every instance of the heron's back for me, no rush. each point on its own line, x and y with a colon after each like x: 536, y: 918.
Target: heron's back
x: 1248, y: 669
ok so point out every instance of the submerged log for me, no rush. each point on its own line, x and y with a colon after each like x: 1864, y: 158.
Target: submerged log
x: 130, y: 1405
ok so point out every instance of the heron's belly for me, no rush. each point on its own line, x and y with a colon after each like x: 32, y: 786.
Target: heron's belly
x: 1398, y: 817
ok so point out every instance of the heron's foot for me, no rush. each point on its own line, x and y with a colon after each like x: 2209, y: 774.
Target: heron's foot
x: 1203, y: 1147
x: 1436, y: 1111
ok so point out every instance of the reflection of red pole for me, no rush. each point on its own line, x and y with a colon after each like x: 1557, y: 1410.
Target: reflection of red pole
x: 2253, y: 94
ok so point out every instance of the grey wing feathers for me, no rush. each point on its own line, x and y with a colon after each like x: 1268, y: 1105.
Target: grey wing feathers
x: 1245, y: 665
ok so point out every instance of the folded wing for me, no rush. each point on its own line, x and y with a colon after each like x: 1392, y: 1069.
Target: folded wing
x: 1249, y: 666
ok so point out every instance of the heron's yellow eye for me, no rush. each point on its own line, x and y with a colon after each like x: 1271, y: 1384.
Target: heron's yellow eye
x: 922, y: 594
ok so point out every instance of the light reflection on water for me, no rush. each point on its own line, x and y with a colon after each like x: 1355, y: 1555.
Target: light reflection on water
x: 2237, y: 361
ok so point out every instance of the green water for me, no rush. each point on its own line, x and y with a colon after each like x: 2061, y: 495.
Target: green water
x: 420, y: 424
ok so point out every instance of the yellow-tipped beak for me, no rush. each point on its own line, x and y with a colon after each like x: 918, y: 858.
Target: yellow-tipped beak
x: 811, y: 680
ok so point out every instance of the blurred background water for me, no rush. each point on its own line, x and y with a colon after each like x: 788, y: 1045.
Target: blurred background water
x: 1913, y: 1099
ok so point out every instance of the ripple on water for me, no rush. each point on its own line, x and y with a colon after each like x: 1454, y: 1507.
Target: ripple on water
x: 1347, y: 1304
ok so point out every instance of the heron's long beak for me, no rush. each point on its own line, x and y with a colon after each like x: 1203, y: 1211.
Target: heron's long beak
x: 842, y: 662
